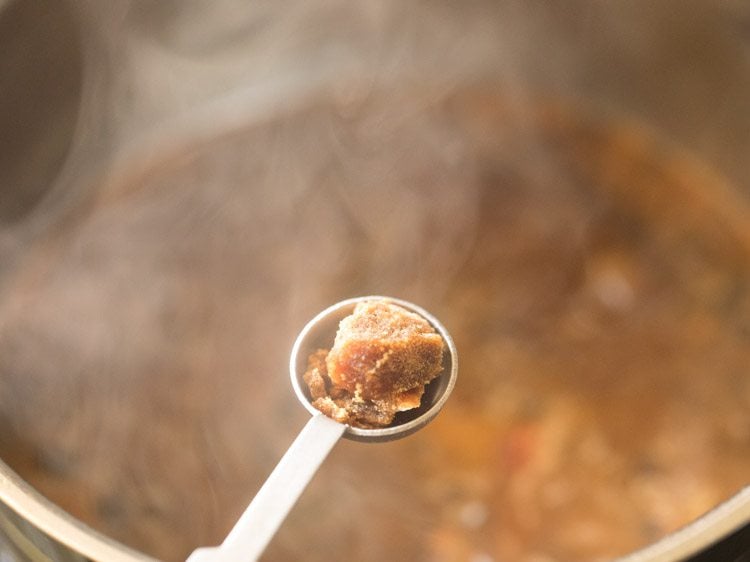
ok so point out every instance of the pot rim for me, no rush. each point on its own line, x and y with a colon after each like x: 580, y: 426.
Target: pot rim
x: 722, y: 521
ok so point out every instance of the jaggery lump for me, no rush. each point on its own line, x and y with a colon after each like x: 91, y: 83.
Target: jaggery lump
x: 381, y: 360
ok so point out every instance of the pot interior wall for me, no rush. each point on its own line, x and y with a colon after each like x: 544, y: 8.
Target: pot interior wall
x: 41, y: 72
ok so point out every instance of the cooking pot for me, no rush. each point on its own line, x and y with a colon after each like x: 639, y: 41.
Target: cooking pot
x: 564, y: 186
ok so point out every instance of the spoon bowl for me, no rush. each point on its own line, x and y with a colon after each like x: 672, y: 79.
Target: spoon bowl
x: 320, y: 332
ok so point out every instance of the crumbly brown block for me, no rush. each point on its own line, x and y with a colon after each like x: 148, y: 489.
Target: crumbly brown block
x: 381, y: 360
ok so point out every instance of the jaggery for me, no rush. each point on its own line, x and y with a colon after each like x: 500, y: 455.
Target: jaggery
x: 382, y: 358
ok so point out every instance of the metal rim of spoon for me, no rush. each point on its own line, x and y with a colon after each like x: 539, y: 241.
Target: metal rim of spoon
x: 258, y: 524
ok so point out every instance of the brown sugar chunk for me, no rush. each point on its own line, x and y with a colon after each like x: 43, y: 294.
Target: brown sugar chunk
x: 315, y: 377
x: 382, y: 350
x: 381, y: 360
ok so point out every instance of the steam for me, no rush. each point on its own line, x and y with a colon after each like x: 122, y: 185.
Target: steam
x: 164, y: 276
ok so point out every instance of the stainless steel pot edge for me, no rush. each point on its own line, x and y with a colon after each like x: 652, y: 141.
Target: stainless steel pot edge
x: 711, y: 528
x: 697, y: 536
x: 16, y: 494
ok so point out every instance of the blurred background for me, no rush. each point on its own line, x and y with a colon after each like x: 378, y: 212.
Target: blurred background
x: 566, y: 186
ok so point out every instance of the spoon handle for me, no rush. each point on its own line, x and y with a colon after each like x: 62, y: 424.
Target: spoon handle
x: 258, y: 524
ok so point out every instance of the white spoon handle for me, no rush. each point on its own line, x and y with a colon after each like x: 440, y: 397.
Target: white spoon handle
x: 257, y: 526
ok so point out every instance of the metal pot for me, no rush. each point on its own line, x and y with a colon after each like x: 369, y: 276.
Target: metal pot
x: 183, y: 177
